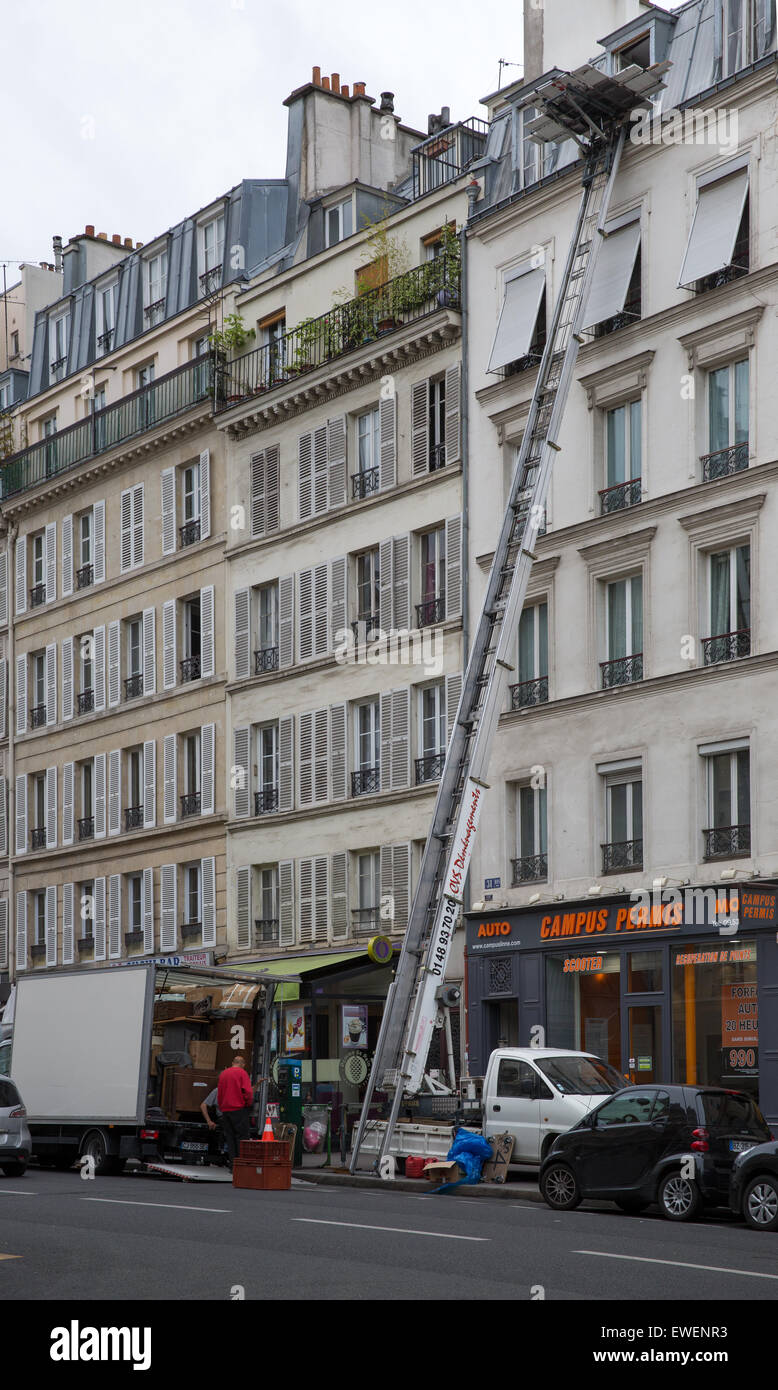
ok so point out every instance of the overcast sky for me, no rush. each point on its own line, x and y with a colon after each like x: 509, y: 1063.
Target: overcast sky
x: 133, y: 116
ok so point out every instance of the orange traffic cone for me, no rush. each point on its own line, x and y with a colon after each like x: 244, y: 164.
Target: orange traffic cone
x: 267, y: 1133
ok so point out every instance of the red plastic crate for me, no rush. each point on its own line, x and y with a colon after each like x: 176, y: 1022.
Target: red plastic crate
x: 265, y: 1150
x: 261, y: 1177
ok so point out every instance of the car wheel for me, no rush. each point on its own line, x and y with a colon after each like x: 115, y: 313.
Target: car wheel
x: 559, y: 1187
x: 679, y: 1198
x: 760, y: 1204
x: 17, y: 1169
x: 631, y: 1205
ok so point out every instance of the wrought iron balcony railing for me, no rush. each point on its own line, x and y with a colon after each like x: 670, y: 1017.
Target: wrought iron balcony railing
x: 529, y: 693
x: 265, y: 931
x: 85, y: 944
x: 431, y: 611
x: 38, y: 950
x: 620, y: 496
x: 728, y: 646
x: 316, y: 342
x: 365, y: 921
x: 133, y: 686
x: 266, y: 659
x: 86, y: 828
x: 190, y: 669
x: 37, y: 716
x: 530, y: 868
x: 727, y: 841
x: 622, y: 854
x: 189, y: 532
x: 210, y: 280
x: 366, y: 628
x: 191, y: 931
x: 190, y: 804
x: 37, y: 595
x: 85, y: 576
x: 364, y: 484
x: 133, y: 817
x: 625, y: 670
x: 104, y: 340
x: 724, y: 462
x: 429, y: 768
x: 265, y: 801
x: 162, y: 400
x: 154, y: 313
x: 446, y: 154
x: 85, y: 701
x: 38, y: 837
x: 437, y: 457
x: 365, y: 780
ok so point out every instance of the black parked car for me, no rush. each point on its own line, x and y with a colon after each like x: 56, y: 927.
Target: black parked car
x: 753, y: 1188
x: 636, y: 1148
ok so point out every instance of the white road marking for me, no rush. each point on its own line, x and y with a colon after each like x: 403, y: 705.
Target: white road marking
x: 169, y: 1206
x: 16, y: 1192
x: 398, y: 1230
x: 677, y: 1264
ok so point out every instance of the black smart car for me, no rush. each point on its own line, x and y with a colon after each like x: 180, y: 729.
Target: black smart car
x: 674, y: 1145
x: 753, y: 1188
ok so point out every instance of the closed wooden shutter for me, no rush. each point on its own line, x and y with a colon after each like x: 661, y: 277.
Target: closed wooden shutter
x: 148, y: 911
x: 207, y: 616
x: 99, y: 796
x: 386, y: 740
x: 243, y: 912
x: 208, y: 880
x: 68, y: 803
x: 338, y: 724
x: 3, y: 697
x: 339, y: 879
x: 396, y: 883
x: 3, y: 817
x: 205, y: 494
x: 207, y: 755
x: 387, y: 887
x: 4, y: 934
x: 169, y: 779
x: 51, y: 561
x: 286, y: 933
x: 114, y: 791
x: 339, y: 630
x: 387, y: 421
x: 305, y: 476
x: 286, y: 621
x: 401, y: 742
x: 272, y: 488
x: 21, y: 930
x: 454, y: 567
x: 4, y: 607
x: 149, y: 652
x: 258, y: 494
x: 168, y: 926
x: 98, y: 516
x: 51, y: 923
x: 98, y: 670
x: 242, y: 634
x: 320, y: 480
x: 68, y: 923
x: 99, y: 918
x: 20, y: 802
x: 305, y: 871
x: 420, y: 451
x: 115, y: 916
x: 67, y: 678
x: 321, y: 756
x: 137, y: 525
x: 305, y: 609
x: 21, y: 695
x: 169, y: 644
x: 21, y: 575
x: 67, y: 556
x: 305, y: 760
x: 286, y: 763
x: 168, y: 482
x: 51, y: 684
x: 401, y: 600
x: 336, y: 462
x: 125, y: 553
x: 114, y: 669
x: 321, y: 865
x: 149, y: 784
x: 386, y: 586
x: 51, y: 808
x: 453, y: 410
x: 241, y: 773
x: 453, y: 695
x: 321, y: 614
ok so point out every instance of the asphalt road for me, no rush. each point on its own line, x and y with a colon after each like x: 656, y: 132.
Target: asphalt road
x: 144, y: 1237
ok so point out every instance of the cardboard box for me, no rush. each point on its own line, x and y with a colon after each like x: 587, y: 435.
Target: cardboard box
x: 171, y: 1008
x: 239, y: 996
x: 444, y: 1170
x: 186, y: 1089
x: 221, y: 1028
x: 225, y: 1055
x: 203, y: 1055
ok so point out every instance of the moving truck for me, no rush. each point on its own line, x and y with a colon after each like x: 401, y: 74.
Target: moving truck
x: 114, y: 1062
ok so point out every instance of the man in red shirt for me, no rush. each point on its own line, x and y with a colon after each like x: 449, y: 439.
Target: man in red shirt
x: 235, y: 1098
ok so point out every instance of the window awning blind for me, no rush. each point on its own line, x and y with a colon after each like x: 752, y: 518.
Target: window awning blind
x: 612, y: 274
x: 715, y: 227
x: 518, y: 317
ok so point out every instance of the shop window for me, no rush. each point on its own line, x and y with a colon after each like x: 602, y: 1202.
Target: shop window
x: 583, y: 1010
x: 716, y: 1015
x: 644, y: 972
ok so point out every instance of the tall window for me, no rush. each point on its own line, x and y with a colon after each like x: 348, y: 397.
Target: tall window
x: 366, y: 480
x: 190, y: 801
x: 623, y: 822
x: 531, y: 863
x: 266, y: 798
x: 437, y: 423
x: 192, y: 895
x: 433, y: 578
x: 366, y: 777
x: 135, y: 902
x: 624, y: 637
x: 730, y: 605
x: 748, y: 32
x: 86, y: 909
x: 368, y: 891
x: 134, y: 648
x: 39, y: 900
x: 339, y: 222
x: 86, y: 825
x: 623, y: 457
x: 38, y: 710
x: 213, y: 244
x: 85, y: 539
x: 190, y: 488
x: 433, y: 734
x: 532, y: 687
x: 190, y: 666
x: 368, y: 602
x: 266, y: 925
x: 105, y: 301
x: 58, y: 346
x: 38, y: 594
x: 133, y: 813
x: 727, y: 421
x: 156, y: 288
x: 266, y: 657
x: 729, y: 804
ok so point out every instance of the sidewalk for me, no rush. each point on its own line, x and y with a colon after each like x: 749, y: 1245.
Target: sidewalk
x: 525, y: 1188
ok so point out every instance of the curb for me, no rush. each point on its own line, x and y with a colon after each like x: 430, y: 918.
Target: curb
x: 419, y: 1186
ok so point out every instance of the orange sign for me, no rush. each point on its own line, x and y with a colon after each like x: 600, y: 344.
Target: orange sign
x: 739, y: 1016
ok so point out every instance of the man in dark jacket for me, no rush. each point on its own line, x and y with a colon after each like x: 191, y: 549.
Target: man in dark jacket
x: 235, y: 1098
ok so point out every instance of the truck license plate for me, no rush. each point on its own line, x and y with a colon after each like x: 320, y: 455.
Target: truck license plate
x: 195, y: 1148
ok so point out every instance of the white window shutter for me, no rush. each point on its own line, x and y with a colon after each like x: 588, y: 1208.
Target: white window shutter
x: 148, y: 911
x: 207, y: 617
x: 137, y: 525
x: 321, y: 756
x: 21, y: 930
x: 286, y: 621
x: 207, y: 755
x: 67, y: 556
x: 286, y: 902
x: 305, y: 872
x: 453, y: 695
x: 149, y: 651
x: 168, y: 485
x: 169, y: 643
x: 21, y: 695
x: 3, y: 696
x: 99, y: 668
x: 305, y: 609
x: 305, y: 760
x: 453, y: 410
x: 336, y: 462
x: 402, y: 885
x: 385, y: 712
x: 4, y: 608
x: 386, y: 586
x: 338, y: 725
x: 305, y: 476
x: 208, y: 880
x: 51, y: 684
x: 241, y: 773
x: 68, y: 923
x: 99, y: 919
x: 339, y: 879
x: 401, y: 567
x: 168, y: 934
x: 99, y: 796
x: 321, y: 883
x: 401, y: 740
x: 21, y: 814
x: 339, y: 630
x: 272, y: 488
x: 420, y: 452
x: 321, y: 614
x: 205, y: 494
x: 242, y: 634
x: 257, y: 467
x: 387, y: 424
x: 68, y: 803
x: 149, y: 784
x: 3, y: 933
x: 51, y: 561
x: 320, y: 470
x: 51, y: 808
x: 454, y: 567
x: 243, y: 913
x: 126, y: 531
x: 170, y: 779
x: 98, y: 517
x: 286, y: 763
x: 21, y: 575
x: 114, y: 668
x: 3, y: 817
x: 114, y: 791
x: 115, y: 916
x: 67, y: 678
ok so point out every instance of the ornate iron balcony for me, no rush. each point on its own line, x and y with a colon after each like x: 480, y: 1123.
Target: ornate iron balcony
x: 626, y: 670
x: 437, y: 457
x: 190, y: 804
x: 37, y: 950
x: 725, y: 276
x: 727, y: 841
x: 133, y: 938
x: 155, y: 312
x: 133, y: 817
x: 429, y: 768
x: 265, y: 930
x: 529, y: 693
x: 623, y: 854
x: 365, y: 921
x: 729, y: 646
x: 85, y: 701
x: 620, y: 496
x: 530, y: 868
x: 190, y: 669
x: 265, y: 801
x: 366, y: 628
x: 85, y: 577
x: 37, y: 595
x: 266, y: 659
x: 210, y: 280
x: 86, y: 828
x: 104, y: 340
x: 725, y: 462
x: 189, y: 532
x: 367, y: 779
x: 133, y: 686
x: 190, y: 931
x: 85, y: 944
x: 365, y: 484
x: 37, y: 716
x: 431, y: 611
x: 38, y: 837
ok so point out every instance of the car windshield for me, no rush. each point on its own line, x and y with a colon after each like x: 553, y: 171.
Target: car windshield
x: 8, y: 1095
x: 581, y: 1076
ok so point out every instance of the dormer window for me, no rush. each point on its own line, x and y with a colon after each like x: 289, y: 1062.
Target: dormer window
x: 58, y: 346
x: 155, y: 289
x: 211, y: 254
x: 339, y: 222
x: 105, y: 316
x: 635, y: 54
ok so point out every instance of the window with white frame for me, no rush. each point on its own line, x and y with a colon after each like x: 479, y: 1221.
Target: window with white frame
x: 623, y: 848
x: 190, y: 801
x: 85, y: 788
x: 366, y: 915
x: 432, y: 608
x: 211, y: 253
x: 192, y: 897
x: 85, y: 543
x: 38, y: 590
x: 623, y: 632
x: 623, y: 457
x: 135, y: 902
x: 532, y: 161
x: 191, y: 503
x: 366, y: 481
x: 105, y: 316
x: 39, y: 810
x: 432, y: 733
x: 86, y: 909
x: 86, y: 684
x: 155, y: 289
x: 728, y: 409
x: 531, y: 862
x: 266, y: 795
x: 729, y: 583
x: 38, y: 702
x: 266, y: 654
x: 58, y: 346
x: 133, y: 681
x: 338, y: 222
x: 532, y: 686
x: 266, y: 924
x: 146, y: 407
x: 728, y: 794
x: 39, y: 917
x: 437, y: 423
x: 368, y: 595
x: 133, y: 811
x: 366, y: 776
x: 747, y: 32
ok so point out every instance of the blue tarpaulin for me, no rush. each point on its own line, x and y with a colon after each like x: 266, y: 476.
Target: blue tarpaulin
x: 470, y: 1151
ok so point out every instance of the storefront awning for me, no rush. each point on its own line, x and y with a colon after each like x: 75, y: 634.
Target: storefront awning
x: 612, y: 274
x: 715, y: 227
x: 518, y: 317
x: 299, y: 965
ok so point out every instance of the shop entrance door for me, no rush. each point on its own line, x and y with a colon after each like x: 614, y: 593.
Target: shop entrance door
x: 645, y: 1061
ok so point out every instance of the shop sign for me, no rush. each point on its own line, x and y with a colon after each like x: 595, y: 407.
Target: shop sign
x: 739, y: 1016
x: 583, y: 965
x: 492, y: 883
x: 199, y: 958
x: 379, y: 949
x: 645, y: 1064
x: 717, y: 955
x: 353, y: 1028
x: 294, y: 1028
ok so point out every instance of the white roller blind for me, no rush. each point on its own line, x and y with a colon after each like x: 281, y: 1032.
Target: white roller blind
x: 518, y: 317
x: 612, y: 274
x: 715, y: 227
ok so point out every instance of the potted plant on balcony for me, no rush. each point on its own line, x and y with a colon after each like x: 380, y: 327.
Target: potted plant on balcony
x: 448, y: 265
x: 302, y: 345
x: 227, y: 342
x: 383, y: 250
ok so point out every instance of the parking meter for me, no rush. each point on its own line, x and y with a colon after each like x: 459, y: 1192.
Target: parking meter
x: 290, y: 1100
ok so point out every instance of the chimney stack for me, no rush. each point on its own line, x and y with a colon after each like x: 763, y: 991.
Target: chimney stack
x: 57, y: 244
x: 316, y: 79
x: 128, y: 243
x: 344, y: 90
x: 359, y: 89
x: 102, y: 236
x: 116, y: 239
x: 335, y: 80
x: 387, y: 101
x: 89, y: 229
x: 325, y: 82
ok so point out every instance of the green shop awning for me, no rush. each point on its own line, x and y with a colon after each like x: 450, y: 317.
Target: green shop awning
x: 298, y: 965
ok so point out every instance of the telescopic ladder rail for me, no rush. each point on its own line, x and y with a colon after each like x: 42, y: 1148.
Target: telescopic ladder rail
x: 411, y: 1007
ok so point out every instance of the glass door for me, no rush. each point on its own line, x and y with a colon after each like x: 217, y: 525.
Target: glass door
x: 645, y: 1061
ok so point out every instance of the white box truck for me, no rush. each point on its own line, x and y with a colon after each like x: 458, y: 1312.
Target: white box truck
x: 89, y: 1057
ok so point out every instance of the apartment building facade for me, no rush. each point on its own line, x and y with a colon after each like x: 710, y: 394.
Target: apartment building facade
x: 638, y: 738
